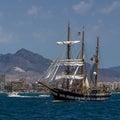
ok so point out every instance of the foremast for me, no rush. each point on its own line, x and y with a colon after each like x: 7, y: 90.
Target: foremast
x: 69, y: 76
x: 68, y: 55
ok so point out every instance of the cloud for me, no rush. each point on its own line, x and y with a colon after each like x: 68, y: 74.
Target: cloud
x: 5, y: 37
x: 82, y: 7
x: 39, y: 11
x: 115, y: 5
x: 33, y: 11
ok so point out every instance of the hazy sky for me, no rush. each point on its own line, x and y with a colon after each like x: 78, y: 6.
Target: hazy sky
x: 37, y: 25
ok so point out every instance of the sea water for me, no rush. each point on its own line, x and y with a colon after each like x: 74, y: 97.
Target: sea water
x: 45, y: 108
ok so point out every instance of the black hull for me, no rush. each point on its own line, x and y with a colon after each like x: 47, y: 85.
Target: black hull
x: 59, y: 94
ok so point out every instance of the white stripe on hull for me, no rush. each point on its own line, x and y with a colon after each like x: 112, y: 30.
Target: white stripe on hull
x: 90, y: 97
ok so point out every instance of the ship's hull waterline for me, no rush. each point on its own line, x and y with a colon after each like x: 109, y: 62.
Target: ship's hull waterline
x: 59, y: 94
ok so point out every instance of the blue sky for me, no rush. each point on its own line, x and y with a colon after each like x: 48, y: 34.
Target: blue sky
x: 37, y: 25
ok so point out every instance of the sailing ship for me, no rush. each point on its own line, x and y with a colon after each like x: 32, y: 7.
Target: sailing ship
x: 67, y: 78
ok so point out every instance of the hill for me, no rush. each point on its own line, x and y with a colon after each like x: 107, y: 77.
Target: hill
x: 24, y: 60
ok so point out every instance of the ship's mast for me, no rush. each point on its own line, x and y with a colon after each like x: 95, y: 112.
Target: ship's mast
x: 68, y: 55
x: 96, y: 62
x: 82, y: 55
x: 68, y: 45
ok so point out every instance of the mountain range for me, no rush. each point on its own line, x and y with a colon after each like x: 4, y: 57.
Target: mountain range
x: 25, y: 63
x: 24, y: 60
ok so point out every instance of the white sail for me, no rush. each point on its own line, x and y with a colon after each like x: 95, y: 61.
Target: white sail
x: 87, y: 83
x: 68, y: 42
x: 71, y: 62
x: 77, y: 77
x: 71, y: 82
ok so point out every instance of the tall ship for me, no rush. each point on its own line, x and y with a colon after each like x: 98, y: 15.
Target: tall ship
x: 68, y: 79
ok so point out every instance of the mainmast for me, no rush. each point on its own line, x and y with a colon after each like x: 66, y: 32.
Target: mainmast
x: 68, y: 55
x: 82, y: 55
x: 68, y: 45
x: 96, y: 62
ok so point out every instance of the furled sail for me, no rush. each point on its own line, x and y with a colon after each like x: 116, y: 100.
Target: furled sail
x: 77, y: 77
x: 70, y: 62
x: 67, y: 42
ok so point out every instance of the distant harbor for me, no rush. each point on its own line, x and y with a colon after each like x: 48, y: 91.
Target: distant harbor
x: 20, y: 85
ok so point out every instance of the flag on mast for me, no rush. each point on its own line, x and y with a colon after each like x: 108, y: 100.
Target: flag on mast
x: 78, y: 33
x: 93, y: 58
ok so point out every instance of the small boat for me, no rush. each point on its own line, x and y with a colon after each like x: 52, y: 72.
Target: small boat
x: 67, y: 78
x: 13, y: 94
